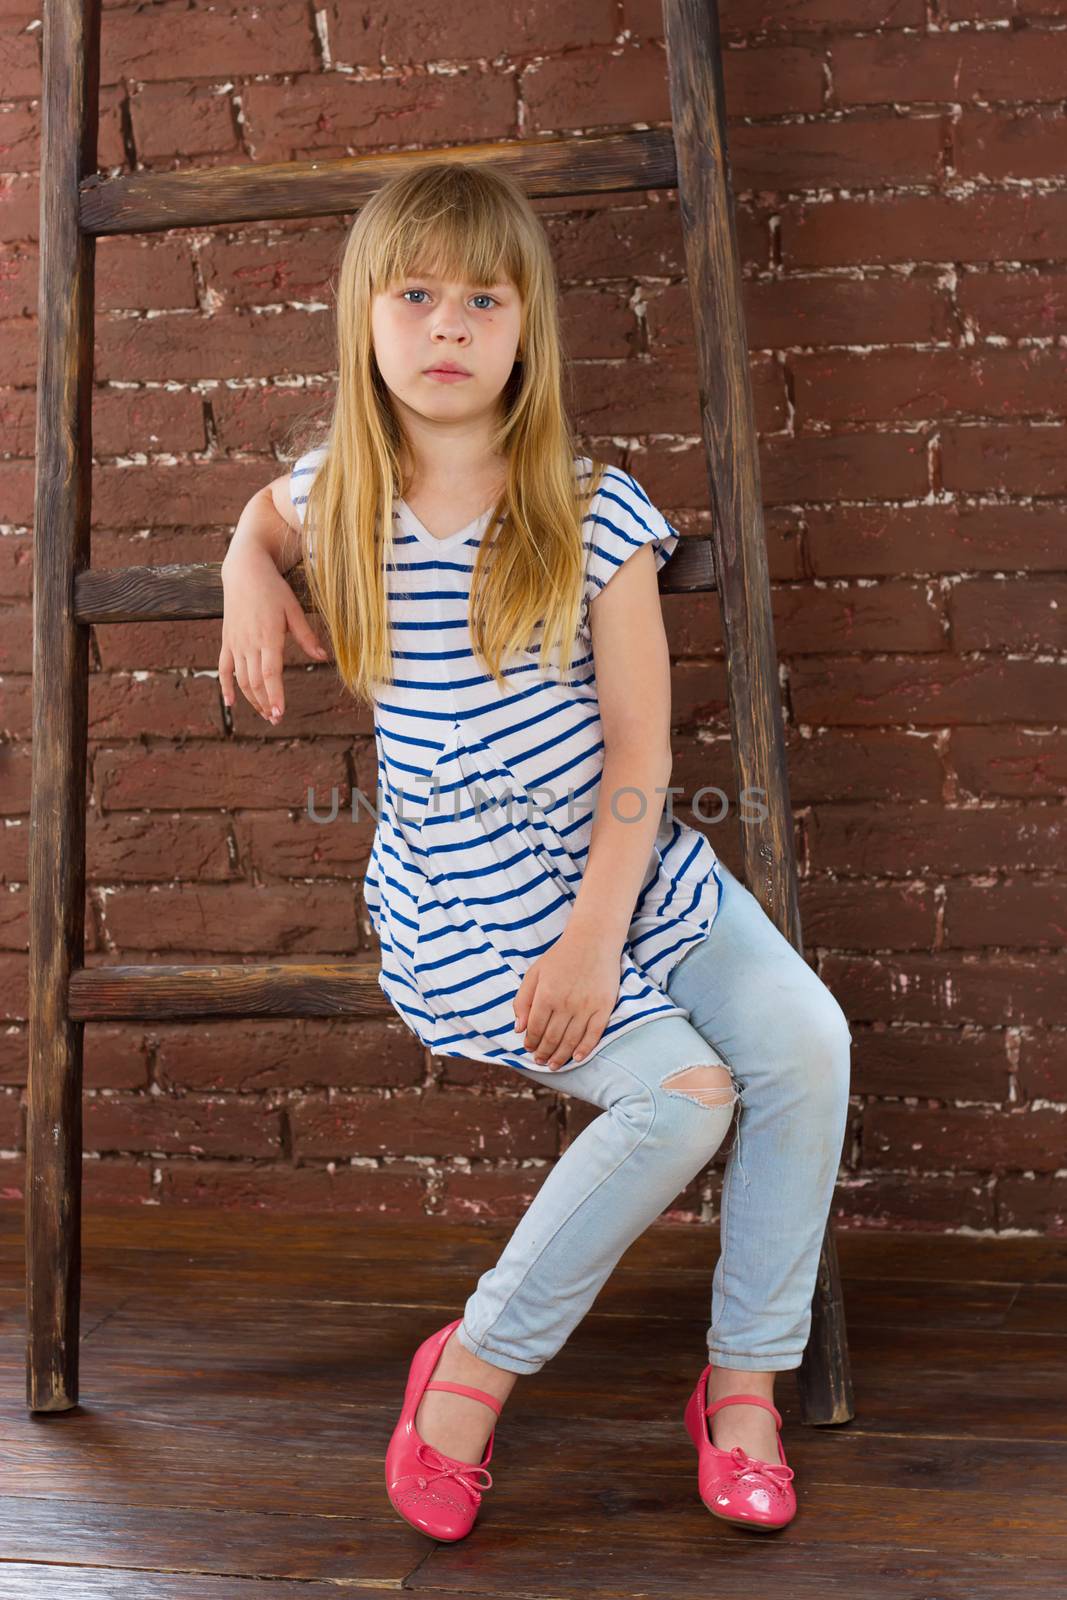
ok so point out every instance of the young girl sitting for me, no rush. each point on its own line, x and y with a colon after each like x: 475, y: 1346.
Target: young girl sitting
x: 492, y: 593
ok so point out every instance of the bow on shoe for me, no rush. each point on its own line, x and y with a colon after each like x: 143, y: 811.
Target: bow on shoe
x: 448, y: 1467
x: 744, y: 1463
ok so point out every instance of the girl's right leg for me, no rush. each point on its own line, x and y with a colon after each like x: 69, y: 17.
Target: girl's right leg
x: 668, y: 1100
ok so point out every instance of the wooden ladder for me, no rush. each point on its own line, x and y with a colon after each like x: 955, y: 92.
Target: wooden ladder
x: 78, y: 205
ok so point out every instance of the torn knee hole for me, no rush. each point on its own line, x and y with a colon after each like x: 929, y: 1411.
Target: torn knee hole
x: 708, y: 1086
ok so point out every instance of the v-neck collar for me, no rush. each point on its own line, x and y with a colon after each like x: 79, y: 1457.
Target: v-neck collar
x: 423, y: 534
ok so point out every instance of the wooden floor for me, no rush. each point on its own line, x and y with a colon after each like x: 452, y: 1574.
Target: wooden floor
x: 240, y: 1378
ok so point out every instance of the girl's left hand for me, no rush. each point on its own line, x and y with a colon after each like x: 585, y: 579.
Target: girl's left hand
x: 566, y: 997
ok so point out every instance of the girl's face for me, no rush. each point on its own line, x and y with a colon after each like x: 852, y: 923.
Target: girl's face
x: 423, y: 323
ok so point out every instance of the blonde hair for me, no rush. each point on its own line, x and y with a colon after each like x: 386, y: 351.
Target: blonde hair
x: 473, y: 223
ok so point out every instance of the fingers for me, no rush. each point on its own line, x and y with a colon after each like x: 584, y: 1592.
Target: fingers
x: 305, y: 635
x: 259, y: 674
x: 590, y: 1038
x: 567, y: 1049
x: 536, y: 1042
x: 520, y: 1004
x: 556, y: 1042
x: 250, y: 680
x: 229, y: 694
x: 544, y: 1028
x: 272, y: 694
x: 554, y: 1037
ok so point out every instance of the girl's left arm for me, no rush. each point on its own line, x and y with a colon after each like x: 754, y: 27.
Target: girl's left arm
x: 633, y: 675
x: 568, y: 994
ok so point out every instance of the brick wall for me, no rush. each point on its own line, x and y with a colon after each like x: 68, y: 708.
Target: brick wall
x: 902, y: 216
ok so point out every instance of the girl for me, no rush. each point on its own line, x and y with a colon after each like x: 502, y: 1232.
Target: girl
x: 454, y: 542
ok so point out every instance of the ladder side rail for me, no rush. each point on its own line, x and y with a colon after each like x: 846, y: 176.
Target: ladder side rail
x: 61, y: 522
x: 728, y: 425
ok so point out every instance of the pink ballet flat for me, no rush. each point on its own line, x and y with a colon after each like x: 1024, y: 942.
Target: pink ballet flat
x: 734, y: 1485
x: 435, y: 1493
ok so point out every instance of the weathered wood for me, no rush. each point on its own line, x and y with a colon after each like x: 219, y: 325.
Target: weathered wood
x: 145, y: 202
x: 246, y: 1380
x: 270, y: 989
x: 731, y: 447
x: 60, y: 705
x: 194, y: 590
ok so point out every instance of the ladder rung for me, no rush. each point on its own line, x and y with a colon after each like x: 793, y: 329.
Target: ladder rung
x: 163, y: 594
x: 274, y: 989
x: 146, y: 202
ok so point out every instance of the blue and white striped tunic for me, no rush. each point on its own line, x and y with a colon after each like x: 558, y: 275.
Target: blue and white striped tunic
x: 465, y: 890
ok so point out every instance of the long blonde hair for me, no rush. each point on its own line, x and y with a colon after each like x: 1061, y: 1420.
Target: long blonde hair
x: 468, y: 222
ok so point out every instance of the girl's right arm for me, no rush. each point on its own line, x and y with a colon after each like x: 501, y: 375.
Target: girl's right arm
x: 259, y: 607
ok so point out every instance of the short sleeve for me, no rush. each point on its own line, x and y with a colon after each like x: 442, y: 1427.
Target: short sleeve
x: 301, y: 475
x: 621, y: 519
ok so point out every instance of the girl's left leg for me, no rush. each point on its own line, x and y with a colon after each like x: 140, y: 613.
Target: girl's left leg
x: 756, y: 1000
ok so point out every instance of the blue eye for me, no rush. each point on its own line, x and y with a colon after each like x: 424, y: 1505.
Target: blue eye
x: 479, y: 296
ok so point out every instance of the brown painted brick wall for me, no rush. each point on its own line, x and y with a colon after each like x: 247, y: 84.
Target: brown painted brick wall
x: 902, y: 219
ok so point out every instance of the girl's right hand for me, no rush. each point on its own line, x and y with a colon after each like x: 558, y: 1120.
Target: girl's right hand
x: 259, y: 609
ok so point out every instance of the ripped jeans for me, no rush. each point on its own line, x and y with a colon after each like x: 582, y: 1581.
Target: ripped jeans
x: 761, y: 1015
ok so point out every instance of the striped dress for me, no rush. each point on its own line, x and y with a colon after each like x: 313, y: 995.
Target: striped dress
x: 485, y: 799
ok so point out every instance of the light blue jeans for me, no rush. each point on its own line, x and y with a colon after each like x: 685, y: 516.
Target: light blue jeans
x: 757, y: 1008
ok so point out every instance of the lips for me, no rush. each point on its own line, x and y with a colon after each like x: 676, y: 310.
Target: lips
x: 449, y: 366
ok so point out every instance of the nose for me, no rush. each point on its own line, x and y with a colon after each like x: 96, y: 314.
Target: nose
x: 448, y: 331
x: 450, y: 323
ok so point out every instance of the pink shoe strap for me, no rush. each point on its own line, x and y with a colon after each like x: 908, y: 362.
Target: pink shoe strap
x: 465, y: 1388
x: 748, y: 1400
